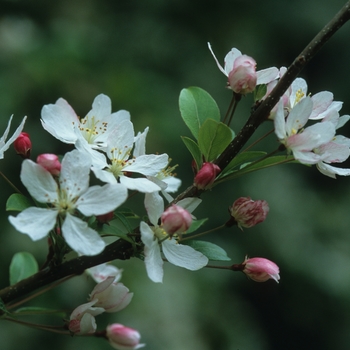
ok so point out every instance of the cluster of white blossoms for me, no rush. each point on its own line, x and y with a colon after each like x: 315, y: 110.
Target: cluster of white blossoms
x: 105, y: 143
x: 318, y: 143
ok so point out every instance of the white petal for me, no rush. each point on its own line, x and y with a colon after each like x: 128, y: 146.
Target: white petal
x: 59, y: 120
x: 97, y: 158
x: 101, y: 107
x: 216, y: 60
x: 299, y: 84
x: 39, y: 182
x: 153, y: 259
x: 267, y: 75
x: 321, y: 101
x: 140, y: 143
x: 154, y: 205
x: 120, y: 139
x: 173, y: 184
x: 148, y: 164
x: 331, y: 171
x: 279, y: 121
x: 104, y: 175
x: 230, y: 59
x: 140, y: 184
x: 99, y: 200
x: 299, y: 116
x: 183, y: 255
x: 35, y: 222
x: 81, y: 238
x: 74, y: 177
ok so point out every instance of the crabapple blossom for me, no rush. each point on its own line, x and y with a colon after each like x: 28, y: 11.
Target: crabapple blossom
x: 119, y: 148
x: 260, y: 269
x: 23, y: 145
x: 241, y: 73
x: 156, y: 239
x: 50, y: 162
x: 82, y: 319
x: 71, y: 193
x: 206, y: 175
x: 87, y: 134
x: 301, y: 141
x: 4, y: 145
x: 247, y: 213
x: 111, y: 296
x: 123, y: 338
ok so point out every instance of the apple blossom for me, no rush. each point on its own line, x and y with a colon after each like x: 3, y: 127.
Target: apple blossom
x: 247, y: 213
x: 87, y: 134
x: 4, y: 145
x: 123, y: 338
x: 63, y: 198
x: 111, y: 296
x: 241, y: 73
x: 301, y: 141
x: 50, y: 162
x: 101, y: 272
x: 156, y: 239
x: 119, y: 148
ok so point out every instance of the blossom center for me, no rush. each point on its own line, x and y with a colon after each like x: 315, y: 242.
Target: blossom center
x: 91, y: 128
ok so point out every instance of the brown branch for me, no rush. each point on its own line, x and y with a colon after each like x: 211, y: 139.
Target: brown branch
x: 124, y: 250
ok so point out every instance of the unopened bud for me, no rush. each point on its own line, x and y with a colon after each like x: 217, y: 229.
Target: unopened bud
x: 50, y: 162
x: 123, y: 338
x: 23, y: 145
x: 206, y: 176
x: 176, y: 220
x: 105, y: 218
x: 261, y: 269
x: 242, y: 78
x: 247, y: 213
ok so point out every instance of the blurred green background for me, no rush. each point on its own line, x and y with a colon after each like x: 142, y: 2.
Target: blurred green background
x: 141, y: 54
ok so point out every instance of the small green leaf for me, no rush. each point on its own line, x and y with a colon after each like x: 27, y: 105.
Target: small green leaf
x: 194, y: 150
x: 196, y: 224
x: 23, y: 265
x: 213, y: 138
x: 18, y: 202
x: 196, y: 106
x: 260, y: 92
x: 210, y: 250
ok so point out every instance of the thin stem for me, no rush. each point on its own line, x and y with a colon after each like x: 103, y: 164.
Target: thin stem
x: 230, y: 107
x: 258, y: 140
x: 10, y: 183
x: 202, y: 233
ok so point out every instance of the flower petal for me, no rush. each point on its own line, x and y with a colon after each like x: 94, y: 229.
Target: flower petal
x: 148, y: 164
x: 154, y: 205
x: 35, y: 222
x: 153, y: 258
x: 99, y: 200
x: 183, y: 255
x: 81, y: 238
x: 139, y: 184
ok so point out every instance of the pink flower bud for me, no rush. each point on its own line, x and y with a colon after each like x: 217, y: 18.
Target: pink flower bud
x: 176, y: 220
x: 242, y: 78
x: 248, y: 213
x: 123, y: 338
x: 260, y: 269
x: 23, y: 145
x: 50, y: 162
x: 206, y: 176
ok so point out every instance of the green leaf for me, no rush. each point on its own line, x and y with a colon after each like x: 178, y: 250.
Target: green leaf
x: 196, y: 224
x: 196, y: 106
x: 23, y: 265
x: 3, y: 307
x: 35, y: 310
x: 260, y: 92
x: 210, y: 250
x: 18, y: 202
x: 194, y: 150
x: 213, y: 138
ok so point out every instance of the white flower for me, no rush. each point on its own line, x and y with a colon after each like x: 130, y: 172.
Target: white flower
x: 71, y: 194
x: 119, y: 148
x: 61, y: 121
x: 300, y: 141
x: 156, y: 239
x: 4, y: 146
